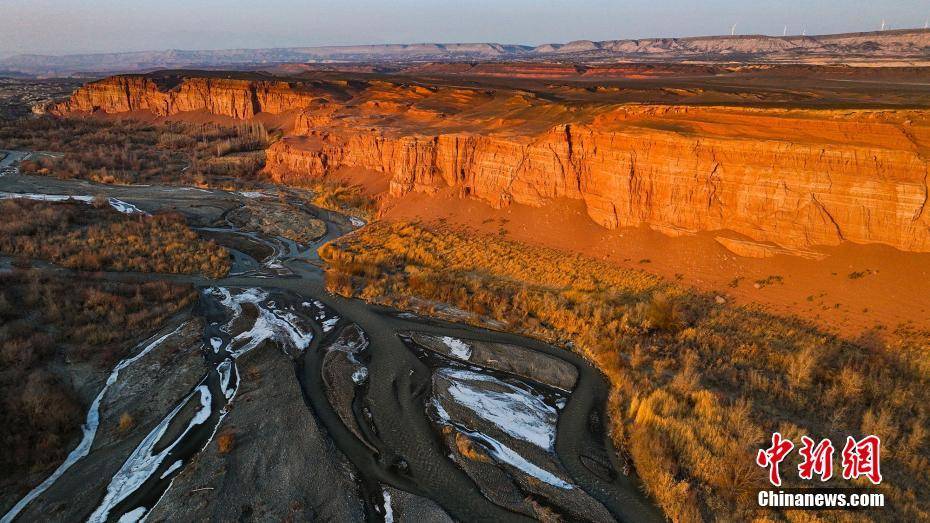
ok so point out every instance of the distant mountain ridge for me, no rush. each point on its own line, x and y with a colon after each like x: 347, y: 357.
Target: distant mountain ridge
x: 897, y: 45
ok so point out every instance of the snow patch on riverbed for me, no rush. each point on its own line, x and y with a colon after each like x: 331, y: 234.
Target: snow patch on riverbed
x: 119, y: 205
x: 457, y: 347
x: 144, y: 461
x: 511, y: 457
x: 133, y: 516
x: 272, y: 323
x: 360, y: 375
x: 388, y: 509
x: 89, y: 429
x: 502, y: 452
x: 330, y: 324
x: 514, y: 410
x: 253, y: 194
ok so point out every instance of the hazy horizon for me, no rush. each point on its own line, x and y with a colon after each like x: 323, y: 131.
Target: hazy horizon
x: 60, y: 27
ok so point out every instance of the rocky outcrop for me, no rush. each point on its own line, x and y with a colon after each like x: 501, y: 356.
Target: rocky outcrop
x: 221, y: 96
x: 795, y: 178
x: 861, y: 177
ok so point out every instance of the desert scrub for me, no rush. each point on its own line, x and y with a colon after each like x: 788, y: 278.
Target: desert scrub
x: 697, y: 386
x: 337, y: 195
x: 126, y: 151
x: 94, y: 238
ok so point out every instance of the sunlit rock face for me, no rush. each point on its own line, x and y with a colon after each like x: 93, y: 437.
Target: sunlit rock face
x: 220, y: 96
x: 793, y: 177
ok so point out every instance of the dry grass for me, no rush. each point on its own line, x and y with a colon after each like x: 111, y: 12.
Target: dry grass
x: 469, y: 450
x: 126, y: 422
x: 79, y: 236
x: 339, y: 196
x: 225, y: 442
x: 46, y: 324
x: 698, y: 386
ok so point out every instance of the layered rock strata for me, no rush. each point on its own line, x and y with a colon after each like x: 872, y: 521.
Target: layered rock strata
x: 793, y: 177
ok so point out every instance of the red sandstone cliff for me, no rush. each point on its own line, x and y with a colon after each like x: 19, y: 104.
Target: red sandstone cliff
x: 227, y: 97
x: 793, y: 177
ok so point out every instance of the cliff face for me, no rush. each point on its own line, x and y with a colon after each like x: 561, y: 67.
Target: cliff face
x: 792, y: 195
x: 796, y: 178
x: 227, y: 97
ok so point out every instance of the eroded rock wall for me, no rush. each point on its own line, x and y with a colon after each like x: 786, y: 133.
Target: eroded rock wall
x: 226, y: 97
x: 796, y: 178
x: 792, y: 194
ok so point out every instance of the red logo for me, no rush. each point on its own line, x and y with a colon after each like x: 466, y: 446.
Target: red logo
x: 817, y: 460
x: 862, y: 458
x: 772, y: 456
x: 859, y: 458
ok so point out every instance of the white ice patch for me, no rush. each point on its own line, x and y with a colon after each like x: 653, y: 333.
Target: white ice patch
x: 253, y: 194
x: 330, y: 324
x: 356, y: 222
x: 349, y: 344
x: 515, y: 411
x: 119, y: 205
x: 457, y: 347
x: 225, y: 370
x: 360, y: 375
x: 322, y: 312
x: 277, y: 325
x: 45, y: 197
x: 174, y: 466
x: 388, y: 509
x: 216, y: 343
x: 89, y: 429
x: 271, y: 323
x: 144, y: 462
x: 124, y: 207
x: 513, y: 458
x: 503, y: 453
x: 133, y: 516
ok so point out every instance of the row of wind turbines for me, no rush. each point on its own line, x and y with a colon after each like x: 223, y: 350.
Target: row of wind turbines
x: 884, y: 27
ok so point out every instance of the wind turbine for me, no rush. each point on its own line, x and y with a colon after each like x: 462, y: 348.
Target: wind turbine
x: 927, y: 23
x: 883, y: 24
x: 733, y: 30
x: 785, y: 32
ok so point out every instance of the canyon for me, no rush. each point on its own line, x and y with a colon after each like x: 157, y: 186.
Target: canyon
x: 659, y: 264
x: 791, y: 175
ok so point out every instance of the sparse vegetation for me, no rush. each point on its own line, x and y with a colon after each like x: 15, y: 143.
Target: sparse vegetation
x: 768, y: 280
x: 128, y: 152
x: 47, y: 324
x: 84, y: 237
x: 697, y: 387
x: 469, y: 450
x: 126, y: 422
x: 339, y: 196
x: 225, y: 441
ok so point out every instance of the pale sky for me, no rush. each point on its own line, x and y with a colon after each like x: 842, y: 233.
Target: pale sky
x: 74, y: 26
